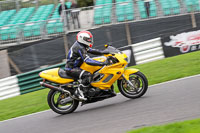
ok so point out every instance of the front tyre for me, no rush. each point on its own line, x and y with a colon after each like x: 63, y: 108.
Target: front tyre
x: 61, y: 103
x: 139, y: 82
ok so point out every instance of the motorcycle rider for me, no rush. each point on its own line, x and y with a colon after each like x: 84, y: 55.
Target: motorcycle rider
x: 77, y: 55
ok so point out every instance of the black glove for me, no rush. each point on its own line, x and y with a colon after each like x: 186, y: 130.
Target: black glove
x: 105, y: 62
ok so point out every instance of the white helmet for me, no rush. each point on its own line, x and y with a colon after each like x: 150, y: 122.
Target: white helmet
x: 85, y: 37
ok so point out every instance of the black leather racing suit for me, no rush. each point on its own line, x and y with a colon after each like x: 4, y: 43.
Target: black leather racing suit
x: 76, y: 56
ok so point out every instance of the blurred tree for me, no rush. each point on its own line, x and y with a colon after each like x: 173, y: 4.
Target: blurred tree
x: 85, y: 3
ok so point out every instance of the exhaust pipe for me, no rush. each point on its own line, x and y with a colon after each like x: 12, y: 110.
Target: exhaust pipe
x: 54, y: 88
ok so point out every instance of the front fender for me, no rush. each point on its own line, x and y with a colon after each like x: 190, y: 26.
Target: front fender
x: 127, y: 72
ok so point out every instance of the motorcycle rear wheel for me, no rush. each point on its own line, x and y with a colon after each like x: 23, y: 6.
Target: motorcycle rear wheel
x: 61, y: 103
x: 140, y: 83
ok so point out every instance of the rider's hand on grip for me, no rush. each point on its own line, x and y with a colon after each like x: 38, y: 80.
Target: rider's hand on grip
x: 106, y: 63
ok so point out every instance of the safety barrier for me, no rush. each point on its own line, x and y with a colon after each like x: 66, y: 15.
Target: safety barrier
x: 29, y: 82
x: 147, y: 51
x: 22, y: 83
x: 9, y: 87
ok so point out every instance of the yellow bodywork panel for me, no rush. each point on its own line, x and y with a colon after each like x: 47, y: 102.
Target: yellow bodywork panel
x: 129, y: 71
x: 111, y: 74
x: 91, y: 68
x: 52, y: 75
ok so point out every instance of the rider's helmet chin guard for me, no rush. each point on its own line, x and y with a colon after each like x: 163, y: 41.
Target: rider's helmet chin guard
x: 85, y: 37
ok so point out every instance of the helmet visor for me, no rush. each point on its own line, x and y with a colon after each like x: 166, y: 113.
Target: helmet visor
x: 89, y: 40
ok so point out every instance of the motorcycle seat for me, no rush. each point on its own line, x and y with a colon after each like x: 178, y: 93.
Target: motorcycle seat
x: 63, y: 74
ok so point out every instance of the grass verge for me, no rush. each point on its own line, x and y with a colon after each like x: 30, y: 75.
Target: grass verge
x: 156, y: 72
x: 191, y: 126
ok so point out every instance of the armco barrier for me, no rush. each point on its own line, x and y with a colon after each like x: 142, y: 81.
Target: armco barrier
x: 22, y: 83
x: 147, y: 51
x: 29, y: 82
x: 9, y: 87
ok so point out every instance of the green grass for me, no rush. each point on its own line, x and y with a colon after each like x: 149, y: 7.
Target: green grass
x: 23, y: 105
x: 156, y: 72
x: 192, y: 126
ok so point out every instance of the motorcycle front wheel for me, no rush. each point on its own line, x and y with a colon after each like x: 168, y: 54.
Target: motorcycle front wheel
x: 140, y: 83
x: 61, y: 103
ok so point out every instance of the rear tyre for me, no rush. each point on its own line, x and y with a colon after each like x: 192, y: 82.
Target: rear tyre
x: 139, y: 82
x: 61, y: 103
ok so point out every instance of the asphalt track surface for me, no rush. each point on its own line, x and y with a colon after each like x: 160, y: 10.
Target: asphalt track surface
x: 163, y: 103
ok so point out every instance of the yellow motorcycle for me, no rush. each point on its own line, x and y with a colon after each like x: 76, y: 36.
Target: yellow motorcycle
x: 131, y: 82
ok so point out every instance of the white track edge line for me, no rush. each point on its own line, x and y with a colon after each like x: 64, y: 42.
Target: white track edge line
x: 25, y: 116
x: 184, y: 78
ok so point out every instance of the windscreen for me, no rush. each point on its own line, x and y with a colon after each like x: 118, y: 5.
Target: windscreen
x: 112, y: 50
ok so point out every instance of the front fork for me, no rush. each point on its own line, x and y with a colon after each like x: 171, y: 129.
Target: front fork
x: 128, y: 81
x: 127, y: 74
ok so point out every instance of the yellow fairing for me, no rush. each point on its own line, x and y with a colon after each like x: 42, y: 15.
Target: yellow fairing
x: 52, y: 75
x: 129, y: 71
x: 90, y: 68
x: 111, y: 73
x: 114, y: 72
